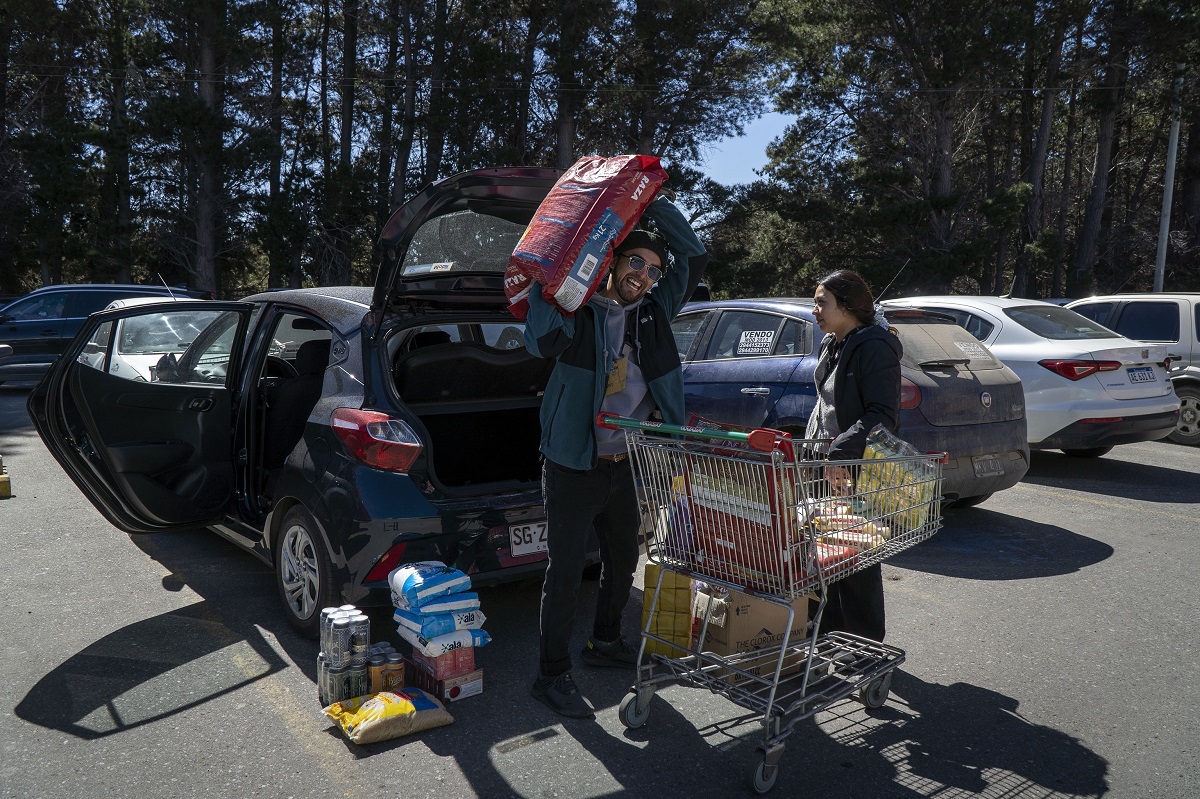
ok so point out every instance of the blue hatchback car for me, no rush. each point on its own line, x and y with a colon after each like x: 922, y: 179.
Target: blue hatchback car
x: 751, y: 362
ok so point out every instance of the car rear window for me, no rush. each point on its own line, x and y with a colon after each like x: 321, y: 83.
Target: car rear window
x: 462, y: 241
x: 943, y: 345
x: 1056, y: 322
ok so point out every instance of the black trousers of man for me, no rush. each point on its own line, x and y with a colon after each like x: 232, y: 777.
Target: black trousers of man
x: 604, y: 499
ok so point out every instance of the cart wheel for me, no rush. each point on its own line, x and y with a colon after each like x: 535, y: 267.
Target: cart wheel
x: 876, y: 693
x: 631, y: 717
x: 763, y: 777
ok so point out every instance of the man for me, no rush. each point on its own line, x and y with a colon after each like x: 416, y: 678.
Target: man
x: 617, y: 354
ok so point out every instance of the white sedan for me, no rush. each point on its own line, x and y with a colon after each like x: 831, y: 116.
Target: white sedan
x: 1086, y: 388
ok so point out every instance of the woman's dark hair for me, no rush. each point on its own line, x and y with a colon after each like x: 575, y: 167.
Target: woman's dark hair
x: 852, y: 294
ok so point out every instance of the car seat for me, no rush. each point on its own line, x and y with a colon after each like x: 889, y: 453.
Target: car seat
x: 290, y: 402
x: 428, y: 338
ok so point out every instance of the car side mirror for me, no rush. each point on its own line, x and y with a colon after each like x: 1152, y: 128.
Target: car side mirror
x: 92, y: 348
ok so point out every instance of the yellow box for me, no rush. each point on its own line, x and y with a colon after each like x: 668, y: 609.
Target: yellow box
x: 673, y: 613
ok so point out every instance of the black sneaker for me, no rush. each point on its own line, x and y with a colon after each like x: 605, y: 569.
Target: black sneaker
x: 615, y: 655
x: 561, y: 695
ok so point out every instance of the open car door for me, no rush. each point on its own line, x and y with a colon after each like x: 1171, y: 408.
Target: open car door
x: 139, y: 412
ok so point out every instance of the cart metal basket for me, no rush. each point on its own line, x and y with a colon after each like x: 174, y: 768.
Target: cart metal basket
x: 759, y: 513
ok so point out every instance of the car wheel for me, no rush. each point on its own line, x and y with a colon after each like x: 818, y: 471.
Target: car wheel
x: 1187, y: 429
x: 303, y: 571
x: 1090, y: 452
x: 970, y: 502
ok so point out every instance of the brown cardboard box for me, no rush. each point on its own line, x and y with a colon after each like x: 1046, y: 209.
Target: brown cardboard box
x: 742, y: 623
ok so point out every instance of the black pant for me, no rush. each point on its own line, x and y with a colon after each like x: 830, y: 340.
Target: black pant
x: 856, y: 605
x: 602, y: 498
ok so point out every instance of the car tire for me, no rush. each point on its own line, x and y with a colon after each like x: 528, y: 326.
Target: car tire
x: 303, y: 572
x: 970, y: 502
x: 1090, y: 452
x: 1187, y: 430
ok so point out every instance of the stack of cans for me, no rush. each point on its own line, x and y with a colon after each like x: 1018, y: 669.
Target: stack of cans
x: 345, y: 651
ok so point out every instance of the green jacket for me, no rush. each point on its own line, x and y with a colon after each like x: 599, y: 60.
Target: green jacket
x: 577, y: 383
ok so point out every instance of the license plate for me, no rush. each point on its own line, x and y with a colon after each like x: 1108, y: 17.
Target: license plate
x: 527, y: 539
x: 1142, y: 374
x: 987, y: 466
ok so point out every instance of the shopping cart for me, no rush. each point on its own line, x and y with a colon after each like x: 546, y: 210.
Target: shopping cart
x: 758, y: 513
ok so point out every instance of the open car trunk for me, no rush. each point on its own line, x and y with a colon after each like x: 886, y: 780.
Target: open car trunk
x: 480, y: 406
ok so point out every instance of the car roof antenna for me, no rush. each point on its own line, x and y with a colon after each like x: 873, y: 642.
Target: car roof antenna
x: 879, y: 296
x: 168, y: 288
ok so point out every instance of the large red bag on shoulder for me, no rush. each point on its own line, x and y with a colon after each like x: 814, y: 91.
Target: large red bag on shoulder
x: 567, y: 248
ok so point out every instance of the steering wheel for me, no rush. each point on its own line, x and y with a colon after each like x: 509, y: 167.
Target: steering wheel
x: 280, y: 367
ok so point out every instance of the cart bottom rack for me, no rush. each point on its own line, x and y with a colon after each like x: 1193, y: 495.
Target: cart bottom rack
x: 785, y: 683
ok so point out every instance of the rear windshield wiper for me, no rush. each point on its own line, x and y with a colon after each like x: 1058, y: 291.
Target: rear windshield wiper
x: 944, y: 362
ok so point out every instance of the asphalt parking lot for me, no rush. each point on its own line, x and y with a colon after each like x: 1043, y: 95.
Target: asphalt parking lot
x: 1048, y: 632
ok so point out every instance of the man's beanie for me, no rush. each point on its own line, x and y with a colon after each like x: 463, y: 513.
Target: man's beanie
x: 639, y: 238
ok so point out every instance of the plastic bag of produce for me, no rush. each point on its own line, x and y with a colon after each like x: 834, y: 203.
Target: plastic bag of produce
x: 383, y: 716
x: 902, y: 488
x: 425, y: 580
x: 567, y: 248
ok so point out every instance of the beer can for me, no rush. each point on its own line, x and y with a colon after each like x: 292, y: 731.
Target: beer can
x: 349, y: 608
x: 326, y: 620
x: 375, y: 670
x: 322, y: 679
x: 393, y: 673
x: 339, y: 643
x: 337, y: 684
x: 358, y: 682
x: 360, y: 640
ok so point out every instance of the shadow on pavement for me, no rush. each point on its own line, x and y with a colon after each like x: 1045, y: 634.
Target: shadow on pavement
x: 163, y: 665
x: 1113, y: 476
x: 981, y: 544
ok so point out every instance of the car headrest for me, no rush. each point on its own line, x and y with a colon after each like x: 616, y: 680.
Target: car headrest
x: 312, y: 357
x: 428, y: 338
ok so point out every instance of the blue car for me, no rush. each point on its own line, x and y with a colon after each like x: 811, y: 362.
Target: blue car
x: 751, y: 362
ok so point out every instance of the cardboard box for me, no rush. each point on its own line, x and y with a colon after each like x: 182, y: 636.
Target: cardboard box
x: 450, y: 689
x: 672, y: 614
x: 742, y: 623
x: 451, y: 664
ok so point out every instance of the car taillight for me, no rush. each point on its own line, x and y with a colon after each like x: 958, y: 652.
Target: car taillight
x: 389, y: 561
x: 377, y: 439
x: 1077, y: 370
x: 910, y: 394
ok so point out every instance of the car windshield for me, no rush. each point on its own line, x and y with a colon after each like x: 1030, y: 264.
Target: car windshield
x: 460, y: 241
x: 166, y: 332
x: 1056, y: 322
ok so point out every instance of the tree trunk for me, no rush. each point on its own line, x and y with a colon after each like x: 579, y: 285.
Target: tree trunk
x: 645, y: 75
x: 6, y: 29
x: 941, y: 213
x: 435, y: 130
x: 117, y: 156
x: 278, y: 257
x: 1082, y: 276
x: 520, y: 145
x: 1031, y: 230
x: 342, y: 271
x: 383, y: 174
x: 409, y: 120
x: 211, y: 91
x: 572, y: 27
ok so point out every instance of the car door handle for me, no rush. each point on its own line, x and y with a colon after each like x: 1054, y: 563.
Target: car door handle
x: 50, y: 332
x: 757, y: 391
x: 200, y: 404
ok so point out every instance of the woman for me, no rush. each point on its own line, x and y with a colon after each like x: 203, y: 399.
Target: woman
x: 858, y: 387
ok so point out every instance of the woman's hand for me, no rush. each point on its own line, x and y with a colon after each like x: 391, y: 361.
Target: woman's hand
x: 840, y: 482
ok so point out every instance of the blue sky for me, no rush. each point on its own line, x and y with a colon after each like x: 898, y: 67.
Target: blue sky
x: 734, y: 160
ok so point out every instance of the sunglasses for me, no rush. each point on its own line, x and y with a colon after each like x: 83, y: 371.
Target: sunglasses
x: 638, y: 264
